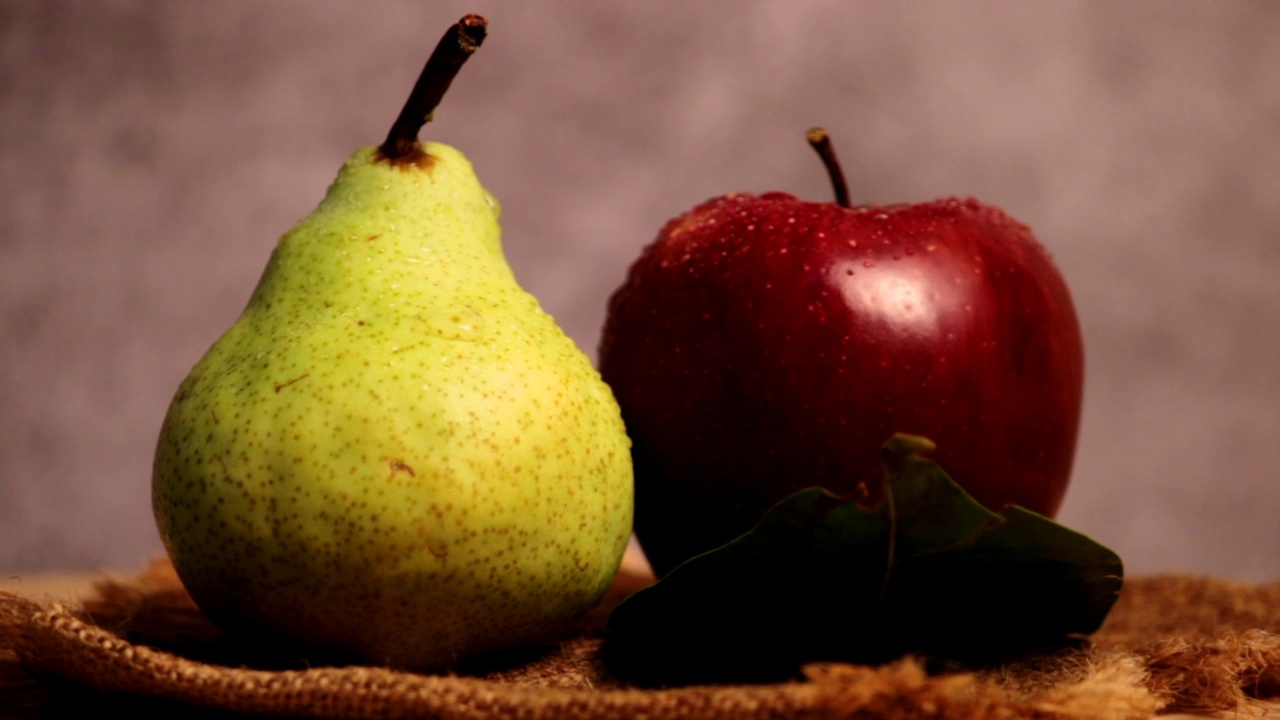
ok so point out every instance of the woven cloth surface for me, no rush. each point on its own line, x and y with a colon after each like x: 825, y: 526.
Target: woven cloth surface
x: 1172, y: 643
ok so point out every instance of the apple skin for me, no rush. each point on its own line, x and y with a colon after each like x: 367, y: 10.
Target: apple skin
x: 764, y: 344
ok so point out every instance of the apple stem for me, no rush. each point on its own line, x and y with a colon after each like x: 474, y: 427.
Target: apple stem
x: 821, y: 143
x: 457, y: 45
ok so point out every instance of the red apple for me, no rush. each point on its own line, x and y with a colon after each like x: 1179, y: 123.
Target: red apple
x: 763, y: 344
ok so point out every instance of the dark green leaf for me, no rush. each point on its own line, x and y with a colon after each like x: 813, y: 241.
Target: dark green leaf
x: 927, y: 571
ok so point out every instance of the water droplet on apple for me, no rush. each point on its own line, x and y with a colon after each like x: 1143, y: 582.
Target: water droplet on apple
x: 852, y: 243
x: 848, y: 271
x: 868, y: 264
x: 881, y: 216
x: 751, y: 227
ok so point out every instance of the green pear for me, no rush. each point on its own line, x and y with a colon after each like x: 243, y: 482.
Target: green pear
x: 395, y: 453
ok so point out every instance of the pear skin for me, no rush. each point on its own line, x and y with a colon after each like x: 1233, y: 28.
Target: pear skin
x: 395, y: 453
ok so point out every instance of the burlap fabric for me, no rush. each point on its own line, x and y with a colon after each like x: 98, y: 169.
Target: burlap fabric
x: 1172, y: 643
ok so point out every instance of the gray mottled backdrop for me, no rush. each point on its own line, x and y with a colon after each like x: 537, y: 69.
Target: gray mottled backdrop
x: 151, y: 153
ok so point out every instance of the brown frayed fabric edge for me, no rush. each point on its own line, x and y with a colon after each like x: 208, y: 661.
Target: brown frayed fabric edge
x: 1225, y: 674
x: 52, y: 643
x: 1172, y: 643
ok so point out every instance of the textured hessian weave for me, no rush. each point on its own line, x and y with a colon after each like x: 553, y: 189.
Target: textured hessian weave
x: 1172, y: 643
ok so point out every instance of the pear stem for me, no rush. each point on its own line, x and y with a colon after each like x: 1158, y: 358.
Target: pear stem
x: 457, y: 45
x: 821, y: 143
